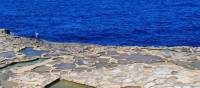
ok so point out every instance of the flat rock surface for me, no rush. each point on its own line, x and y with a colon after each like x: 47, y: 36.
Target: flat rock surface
x: 97, y: 66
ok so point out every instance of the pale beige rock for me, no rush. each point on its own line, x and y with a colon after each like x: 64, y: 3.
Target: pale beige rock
x: 174, y: 72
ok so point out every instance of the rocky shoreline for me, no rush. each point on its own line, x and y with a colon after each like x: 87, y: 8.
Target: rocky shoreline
x: 95, y: 65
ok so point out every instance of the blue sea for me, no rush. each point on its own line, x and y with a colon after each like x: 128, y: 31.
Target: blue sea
x: 105, y: 22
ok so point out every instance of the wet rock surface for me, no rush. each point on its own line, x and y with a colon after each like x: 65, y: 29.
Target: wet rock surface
x: 41, y: 69
x: 7, y: 54
x: 97, y: 66
x: 195, y: 65
x: 138, y: 58
x: 30, y: 52
x: 64, y: 66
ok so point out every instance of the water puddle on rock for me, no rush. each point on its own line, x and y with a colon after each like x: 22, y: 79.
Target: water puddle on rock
x: 112, y: 53
x: 144, y: 58
x: 5, y: 72
x: 42, y: 69
x: 65, y: 66
x: 195, y: 65
x: 100, y: 65
x: 8, y: 54
x: 67, y: 84
x: 30, y: 52
x: 23, y: 64
x: 138, y: 58
x: 1, y: 42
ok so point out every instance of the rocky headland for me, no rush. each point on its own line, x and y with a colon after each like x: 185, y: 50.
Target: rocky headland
x: 32, y: 63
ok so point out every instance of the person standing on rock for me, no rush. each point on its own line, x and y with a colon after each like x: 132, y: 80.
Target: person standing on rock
x: 36, y: 35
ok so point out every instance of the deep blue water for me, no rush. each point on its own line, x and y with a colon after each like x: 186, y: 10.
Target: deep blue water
x: 105, y: 22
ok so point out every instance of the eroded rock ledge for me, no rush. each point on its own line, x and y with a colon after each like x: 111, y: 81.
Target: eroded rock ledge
x: 95, y: 65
